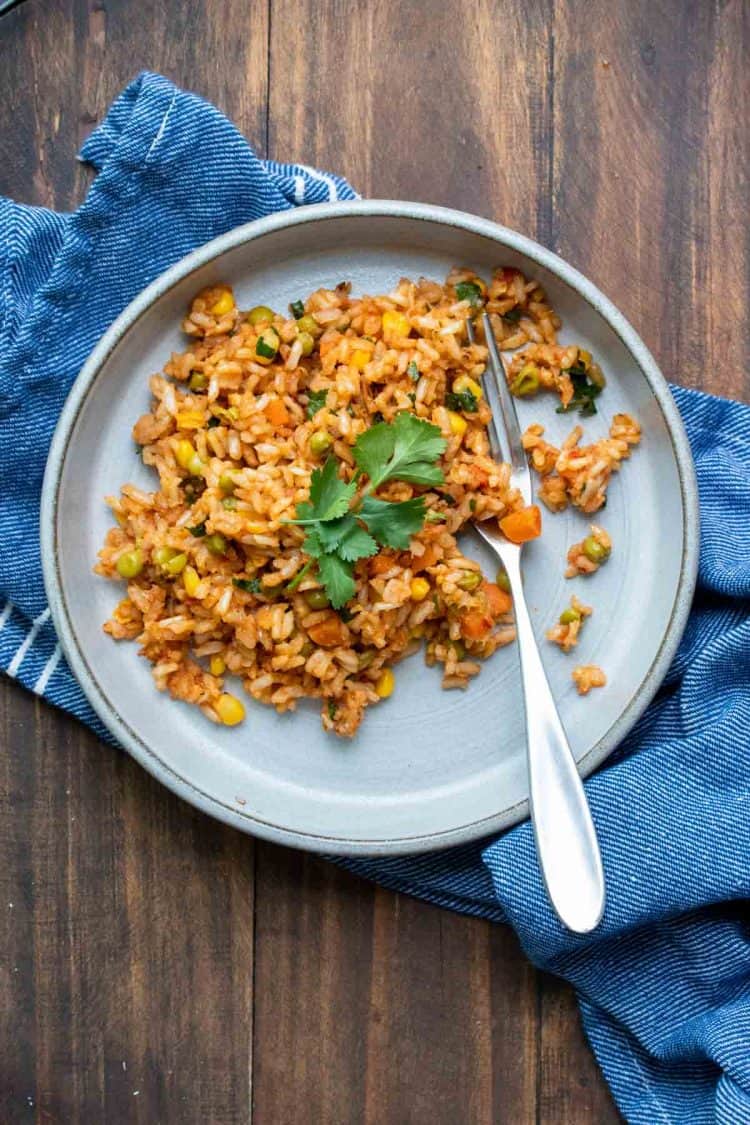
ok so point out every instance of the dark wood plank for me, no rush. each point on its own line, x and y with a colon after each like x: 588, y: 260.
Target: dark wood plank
x: 63, y: 61
x: 127, y: 937
x: 651, y: 168
x: 372, y: 1007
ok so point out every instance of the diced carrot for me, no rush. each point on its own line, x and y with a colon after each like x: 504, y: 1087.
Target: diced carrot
x: 428, y: 558
x: 497, y: 600
x: 381, y: 563
x: 329, y: 632
x: 522, y: 526
x: 475, y: 625
x: 277, y: 413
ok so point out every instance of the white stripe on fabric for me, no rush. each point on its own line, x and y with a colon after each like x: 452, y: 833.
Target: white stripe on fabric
x: 47, y: 671
x: 333, y: 191
x: 36, y: 625
x: 299, y: 189
x: 7, y: 610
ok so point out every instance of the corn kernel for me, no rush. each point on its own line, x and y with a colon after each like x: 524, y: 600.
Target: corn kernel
x: 395, y: 324
x: 223, y: 304
x: 386, y: 683
x: 360, y: 359
x: 253, y: 527
x: 420, y: 588
x: 217, y: 665
x: 190, y: 580
x: 457, y: 423
x: 184, y: 452
x: 466, y: 383
x: 190, y: 419
x: 230, y: 710
x: 195, y: 466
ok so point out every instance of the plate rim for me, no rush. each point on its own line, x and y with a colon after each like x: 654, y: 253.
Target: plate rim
x: 201, y: 256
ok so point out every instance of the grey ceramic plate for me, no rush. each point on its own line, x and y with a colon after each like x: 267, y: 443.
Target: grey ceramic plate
x: 428, y: 768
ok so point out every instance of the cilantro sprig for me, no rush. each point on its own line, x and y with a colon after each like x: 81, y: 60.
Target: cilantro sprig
x: 340, y: 532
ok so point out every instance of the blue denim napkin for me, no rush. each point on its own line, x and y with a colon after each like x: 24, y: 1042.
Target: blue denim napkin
x: 664, y: 984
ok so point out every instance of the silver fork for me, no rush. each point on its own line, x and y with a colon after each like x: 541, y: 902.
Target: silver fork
x: 566, y: 840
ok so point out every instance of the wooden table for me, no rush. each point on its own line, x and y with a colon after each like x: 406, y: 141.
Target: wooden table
x: 156, y: 966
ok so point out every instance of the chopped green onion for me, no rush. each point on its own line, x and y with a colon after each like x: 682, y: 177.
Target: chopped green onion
x: 297, y: 309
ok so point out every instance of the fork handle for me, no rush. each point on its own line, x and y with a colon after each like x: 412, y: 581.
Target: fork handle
x: 566, y: 840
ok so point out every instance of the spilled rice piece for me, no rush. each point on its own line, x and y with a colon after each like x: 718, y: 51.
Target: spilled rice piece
x: 569, y: 371
x: 575, y: 474
x: 565, y: 633
x: 592, y: 552
x: 588, y: 676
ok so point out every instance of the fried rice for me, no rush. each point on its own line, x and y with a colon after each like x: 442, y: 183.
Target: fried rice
x: 214, y: 570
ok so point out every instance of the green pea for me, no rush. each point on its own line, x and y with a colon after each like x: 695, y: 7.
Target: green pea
x: 568, y: 616
x: 317, y: 599
x: 229, y: 502
x: 162, y: 555
x: 130, y: 564
x: 471, y: 580
x: 177, y: 564
x: 170, y: 560
x: 198, y: 381
x: 306, y: 342
x: 216, y: 544
x: 502, y: 580
x: 227, y: 483
x: 320, y: 442
x: 595, y: 551
x: 308, y: 324
x: 526, y: 381
x: 260, y: 314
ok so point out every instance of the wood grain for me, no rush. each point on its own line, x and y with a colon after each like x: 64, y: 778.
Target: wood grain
x: 156, y: 966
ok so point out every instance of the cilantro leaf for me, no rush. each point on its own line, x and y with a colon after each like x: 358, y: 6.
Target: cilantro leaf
x: 393, y: 524
x: 465, y: 401
x: 406, y: 450
x: 584, y: 392
x: 249, y: 585
x: 374, y: 448
x: 356, y: 544
x: 336, y: 576
x: 346, y: 538
x: 311, y: 544
x: 316, y: 402
x: 330, y: 496
x: 469, y: 291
